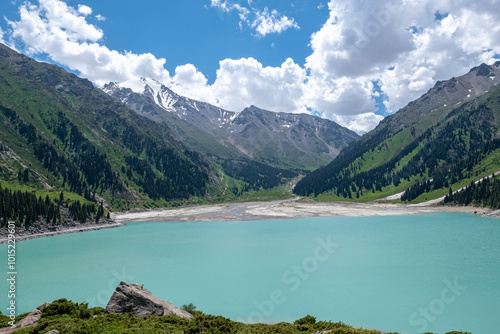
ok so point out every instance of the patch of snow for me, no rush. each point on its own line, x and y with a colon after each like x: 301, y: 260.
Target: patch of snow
x: 195, y: 106
x: 137, y: 86
x: 165, y: 100
x: 154, y: 84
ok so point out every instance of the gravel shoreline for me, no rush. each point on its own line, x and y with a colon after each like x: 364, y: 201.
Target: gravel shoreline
x: 248, y: 211
x: 286, y: 209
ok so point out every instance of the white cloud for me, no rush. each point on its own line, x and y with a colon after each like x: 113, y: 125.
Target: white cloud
x: 361, y: 123
x: 189, y: 82
x: 264, y: 22
x: 402, y: 47
x: 468, y: 36
x: 63, y: 33
x: 358, y: 38
x: 1, y: 36
x: 342, y: 96
x: 84, y: 10
x: 270, y: 22
x: 99, y: 17
x: 246, y: 81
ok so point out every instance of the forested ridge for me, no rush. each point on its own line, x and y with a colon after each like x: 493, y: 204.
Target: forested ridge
x: 25, y: 208
x: 485, y: 193
x: 444, y: 154
x: 60, y: 133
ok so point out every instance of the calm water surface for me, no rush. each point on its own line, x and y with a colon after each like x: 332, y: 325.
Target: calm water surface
x: 434, y: 272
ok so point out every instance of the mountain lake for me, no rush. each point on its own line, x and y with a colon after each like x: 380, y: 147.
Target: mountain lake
x: 434, y: 272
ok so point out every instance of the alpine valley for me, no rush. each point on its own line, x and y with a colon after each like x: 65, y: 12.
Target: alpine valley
x: 143, y: 147
x: 71, y: 153
x: 138, y: 144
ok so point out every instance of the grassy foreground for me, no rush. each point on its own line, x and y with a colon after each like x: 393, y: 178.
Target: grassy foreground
x: 68, y: 317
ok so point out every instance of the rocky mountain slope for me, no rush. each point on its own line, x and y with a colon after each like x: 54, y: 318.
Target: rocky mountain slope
x: 444, y: 139
x: 292, y: 141
x: 60, y: 133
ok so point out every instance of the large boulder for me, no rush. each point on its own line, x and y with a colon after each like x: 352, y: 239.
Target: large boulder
x: 135, y: 299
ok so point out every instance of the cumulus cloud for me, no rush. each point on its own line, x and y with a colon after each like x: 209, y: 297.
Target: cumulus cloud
x: 361, y: 123
x: 264, y: 22
x: 84, y: 10
x: 270, y: 22
x: 62, y: 32
x: 404, y: 46
x: 358, y: 38
x: 246, y: 81
x: 467, y: 36
x: 189, y: 82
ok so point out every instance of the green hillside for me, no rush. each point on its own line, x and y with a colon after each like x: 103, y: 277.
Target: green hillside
x: 61, y: 133
x: 420, y: 150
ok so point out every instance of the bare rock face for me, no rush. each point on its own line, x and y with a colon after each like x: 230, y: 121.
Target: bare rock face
x: 29, y: 321
x: 135, y: 299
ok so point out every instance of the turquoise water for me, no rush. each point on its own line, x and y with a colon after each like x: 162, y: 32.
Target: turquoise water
x: 434, y: 272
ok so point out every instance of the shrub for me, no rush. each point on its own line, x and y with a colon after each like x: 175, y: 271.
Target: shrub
x: 307, y: 320
x: 189, y: 307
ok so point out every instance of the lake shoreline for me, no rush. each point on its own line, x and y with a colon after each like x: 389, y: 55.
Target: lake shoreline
x: 49, y: 231
x: 288, y: 209
x: 250, y: 211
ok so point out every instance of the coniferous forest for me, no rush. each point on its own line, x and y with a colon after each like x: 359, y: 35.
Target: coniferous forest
x: 485, y: 193
x: 26, y: 209
x: 60, y: 133
x: 438, y: 158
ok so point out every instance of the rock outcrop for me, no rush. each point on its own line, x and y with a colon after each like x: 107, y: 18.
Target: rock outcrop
x: 135, y: 299
x: 30, y: 320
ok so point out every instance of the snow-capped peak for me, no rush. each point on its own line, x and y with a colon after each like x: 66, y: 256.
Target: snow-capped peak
x: 140, y: 85
x: 137, y: 86
x: 160, y: 94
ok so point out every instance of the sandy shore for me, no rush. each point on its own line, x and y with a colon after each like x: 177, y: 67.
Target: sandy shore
x: 294, y: 208
x: 282, y: 209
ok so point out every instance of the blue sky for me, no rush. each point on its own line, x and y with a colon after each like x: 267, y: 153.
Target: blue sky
x: 347, y: 60
x: 194, y: 32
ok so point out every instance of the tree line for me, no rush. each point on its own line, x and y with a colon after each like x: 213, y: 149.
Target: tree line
x: 484, y: 193
x: 25, y: 208
x: 443, y: 155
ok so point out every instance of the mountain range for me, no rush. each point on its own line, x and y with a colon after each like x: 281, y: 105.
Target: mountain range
x: 441, y: 141
x: 290, y: 141
x: 139, y: 144
x: 61, y: 133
